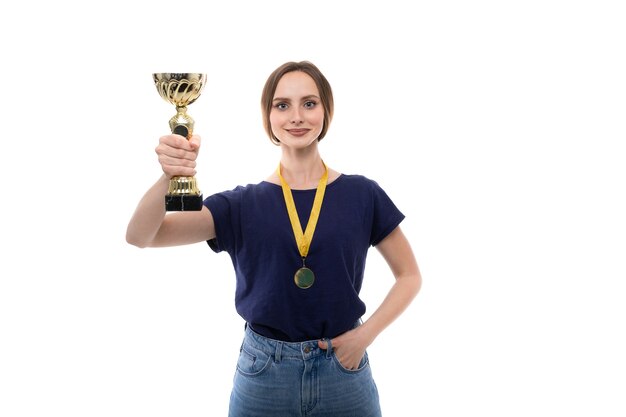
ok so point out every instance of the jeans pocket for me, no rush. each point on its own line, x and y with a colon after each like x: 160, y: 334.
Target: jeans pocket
x: 252, y: 362
x: 364, y: 364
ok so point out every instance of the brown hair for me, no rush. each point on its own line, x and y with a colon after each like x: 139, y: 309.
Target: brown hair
x: 326, y: 94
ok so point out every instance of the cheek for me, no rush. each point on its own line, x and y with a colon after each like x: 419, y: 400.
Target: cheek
x: 275, y: 119
x: 317, y: 118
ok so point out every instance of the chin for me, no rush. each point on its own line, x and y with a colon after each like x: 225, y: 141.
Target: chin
x: 298, y: 142
x: 299, y: 145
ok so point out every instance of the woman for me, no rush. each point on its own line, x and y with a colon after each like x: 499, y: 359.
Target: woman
x: 298, y: 242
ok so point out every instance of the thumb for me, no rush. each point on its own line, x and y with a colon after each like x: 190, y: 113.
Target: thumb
x: 195, y: 142
x: 323, y: 344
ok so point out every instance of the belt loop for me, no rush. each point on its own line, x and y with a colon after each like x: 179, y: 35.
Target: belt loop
x: 329, y: 348
x: 278, y: 352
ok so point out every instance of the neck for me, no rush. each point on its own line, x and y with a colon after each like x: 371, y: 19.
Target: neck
x: 302, y: 171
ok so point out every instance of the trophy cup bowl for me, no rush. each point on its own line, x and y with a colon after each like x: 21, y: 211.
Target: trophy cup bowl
x: 181, y: 89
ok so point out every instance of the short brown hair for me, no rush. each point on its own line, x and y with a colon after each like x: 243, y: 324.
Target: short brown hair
x: 323, y: 86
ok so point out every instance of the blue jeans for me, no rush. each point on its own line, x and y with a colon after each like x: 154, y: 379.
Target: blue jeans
x: 283, y: 379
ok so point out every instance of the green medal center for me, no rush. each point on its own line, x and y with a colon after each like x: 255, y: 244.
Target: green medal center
x: 304, y: 278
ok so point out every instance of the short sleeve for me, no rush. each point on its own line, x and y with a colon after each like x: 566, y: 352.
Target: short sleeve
x: 386, y: 216
x: 224, y: 208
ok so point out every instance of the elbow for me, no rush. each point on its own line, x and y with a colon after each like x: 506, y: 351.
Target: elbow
x: 414, y: 283
x: 417, y: 280
x: 135, y: 241
x: 417, y: 285
x: 138, y: 244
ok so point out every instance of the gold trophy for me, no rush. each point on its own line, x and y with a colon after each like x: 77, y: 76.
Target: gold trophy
x: 181, y: 90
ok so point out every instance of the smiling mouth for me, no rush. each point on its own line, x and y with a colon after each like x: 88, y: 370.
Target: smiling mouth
x: 297, y: 132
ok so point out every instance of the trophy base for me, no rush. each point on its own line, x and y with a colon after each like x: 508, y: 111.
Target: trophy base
x: 183, y: 202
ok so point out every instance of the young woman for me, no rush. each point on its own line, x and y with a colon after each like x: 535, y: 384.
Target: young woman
x: 298, y: 241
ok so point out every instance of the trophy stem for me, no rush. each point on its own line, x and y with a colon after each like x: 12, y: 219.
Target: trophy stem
x: 181, y: 123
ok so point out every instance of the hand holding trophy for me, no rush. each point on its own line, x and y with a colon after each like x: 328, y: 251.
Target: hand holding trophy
x: 181, y: 89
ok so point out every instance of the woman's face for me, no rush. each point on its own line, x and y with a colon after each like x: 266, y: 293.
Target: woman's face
x: 297, y: 114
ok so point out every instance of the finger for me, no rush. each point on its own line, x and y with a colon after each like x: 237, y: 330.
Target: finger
x: 175, y: 141
x: 179, y: 146
x: 323, y: 344
x: 195, y: 141
x: 173, y: 161
x: 175, y: 153
x: 178, y: 171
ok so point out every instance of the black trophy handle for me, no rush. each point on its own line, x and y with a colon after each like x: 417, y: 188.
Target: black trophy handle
x: 182, y: 130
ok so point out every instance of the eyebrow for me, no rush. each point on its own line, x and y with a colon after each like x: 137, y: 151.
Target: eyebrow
x: 310, y: 96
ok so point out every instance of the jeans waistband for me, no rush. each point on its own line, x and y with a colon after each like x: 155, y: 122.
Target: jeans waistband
x: 279, y: 349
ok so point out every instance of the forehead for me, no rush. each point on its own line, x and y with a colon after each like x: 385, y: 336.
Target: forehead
x: 294, y: 84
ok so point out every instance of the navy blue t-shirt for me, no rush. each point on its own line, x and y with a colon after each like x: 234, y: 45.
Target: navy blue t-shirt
x: 252, y: 225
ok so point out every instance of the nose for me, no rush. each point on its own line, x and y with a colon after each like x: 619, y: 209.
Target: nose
x: 296, y: 117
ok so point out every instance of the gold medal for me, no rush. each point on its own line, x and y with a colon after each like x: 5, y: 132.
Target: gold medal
x: 304, y: 278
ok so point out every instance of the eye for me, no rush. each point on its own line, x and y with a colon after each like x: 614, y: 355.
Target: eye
x: 310, y: 104
x: 281, y: 106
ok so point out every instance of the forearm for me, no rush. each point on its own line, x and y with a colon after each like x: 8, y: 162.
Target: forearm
x: 149, y: 215
x: 395, y: 303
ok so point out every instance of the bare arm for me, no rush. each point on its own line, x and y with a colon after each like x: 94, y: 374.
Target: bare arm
x: 396, y: 250
x: 151, y: 225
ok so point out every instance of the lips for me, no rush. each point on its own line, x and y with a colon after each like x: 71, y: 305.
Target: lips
x: 298, y: 132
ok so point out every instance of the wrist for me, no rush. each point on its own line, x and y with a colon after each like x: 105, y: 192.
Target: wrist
x: 366, y: 333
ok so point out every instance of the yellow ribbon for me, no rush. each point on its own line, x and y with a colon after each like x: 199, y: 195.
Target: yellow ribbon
x: 303, y: 240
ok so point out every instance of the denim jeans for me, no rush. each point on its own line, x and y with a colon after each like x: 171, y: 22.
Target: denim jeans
x: 283, y: 379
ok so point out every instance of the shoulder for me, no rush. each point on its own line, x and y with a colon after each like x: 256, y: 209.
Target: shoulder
x: 260, y: 187
x: 359, y: 181
x: 362, y: 188
x: 242, y: 192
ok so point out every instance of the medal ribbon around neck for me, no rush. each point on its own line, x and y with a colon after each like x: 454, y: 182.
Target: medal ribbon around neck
x: 304, y: 277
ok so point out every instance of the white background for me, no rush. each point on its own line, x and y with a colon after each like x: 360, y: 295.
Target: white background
x: 496, y: 126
